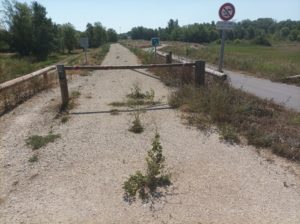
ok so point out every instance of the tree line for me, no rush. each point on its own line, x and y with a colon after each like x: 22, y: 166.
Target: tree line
x: 261, y: 31
x: 26, y: 29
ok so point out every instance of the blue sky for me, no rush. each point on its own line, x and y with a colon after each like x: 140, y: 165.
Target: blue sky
x: 122, y: 15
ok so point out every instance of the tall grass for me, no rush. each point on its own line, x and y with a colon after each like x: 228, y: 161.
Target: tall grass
x: 275, y: 63
x: 262, y: 123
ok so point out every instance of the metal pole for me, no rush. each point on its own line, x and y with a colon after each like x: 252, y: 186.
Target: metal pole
x: 221, y: 60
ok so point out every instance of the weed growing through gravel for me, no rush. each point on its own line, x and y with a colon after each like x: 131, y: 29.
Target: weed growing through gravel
x: 146, y: 185
x: 137, y: 98
x: 65, y: 119
x: 34, y: 159
x: 228, y: 134
x: 137, y: 126
x: 37, y: 142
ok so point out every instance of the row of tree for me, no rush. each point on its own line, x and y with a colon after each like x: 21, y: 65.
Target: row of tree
x: 260, y: 31
x: 27, y: 30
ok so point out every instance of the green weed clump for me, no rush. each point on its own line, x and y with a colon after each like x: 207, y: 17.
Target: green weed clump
x: 137, y: 126
x: 37, y: 142
x: 34, y: 159
x: 137, y: 98
x: 229, y: 134
x: 145, y: 186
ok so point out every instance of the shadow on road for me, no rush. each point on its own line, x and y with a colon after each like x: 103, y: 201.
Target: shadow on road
x: 161, y: 107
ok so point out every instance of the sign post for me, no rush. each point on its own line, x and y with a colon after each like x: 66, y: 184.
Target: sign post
x: 226, y: 13
x: 84, y: 43
x: 155, y: 42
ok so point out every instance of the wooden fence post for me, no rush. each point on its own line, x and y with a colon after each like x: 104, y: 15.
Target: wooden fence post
x: 200, y: 73
x: 63, y: 86
x: 169, y: 58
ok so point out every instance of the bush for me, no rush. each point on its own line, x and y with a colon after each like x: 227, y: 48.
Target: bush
x: 146, y: 185
x: 137, y: 126
x: 262, y: 40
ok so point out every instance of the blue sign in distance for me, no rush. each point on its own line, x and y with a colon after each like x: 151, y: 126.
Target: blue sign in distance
x: 155, y: 41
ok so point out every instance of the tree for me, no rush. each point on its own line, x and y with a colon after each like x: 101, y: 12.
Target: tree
x: 90, y: 34
x: 112, y: 35
x: 42, y: 32
x: 21, y: 28
x: 69, y: 36
x: 100, y: 36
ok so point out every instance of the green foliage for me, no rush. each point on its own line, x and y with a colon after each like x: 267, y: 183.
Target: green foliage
x: 30, y: 32
x: 42, y: 32
x: 112, y: 36
x: 69, y: 36
x: 37, y: 142
x: 262, y: 40
x: 21, y: 28
x: 97, y: 34
x: 260, y: 31
x: 146, y: 185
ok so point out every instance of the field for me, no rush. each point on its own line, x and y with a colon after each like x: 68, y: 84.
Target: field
x: 275, y: 63
x: 13, y: 66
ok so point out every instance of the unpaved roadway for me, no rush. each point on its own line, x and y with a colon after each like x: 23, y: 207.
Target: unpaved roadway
x: 78, y: 178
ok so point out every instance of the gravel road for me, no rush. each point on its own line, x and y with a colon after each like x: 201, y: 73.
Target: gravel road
x: 78, y: 178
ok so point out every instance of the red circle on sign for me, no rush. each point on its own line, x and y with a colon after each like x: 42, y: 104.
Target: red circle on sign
x: 227, y: 11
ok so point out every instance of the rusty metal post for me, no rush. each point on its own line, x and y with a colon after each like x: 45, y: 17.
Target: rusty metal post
x: 200, y: 73
x: 63, y: 82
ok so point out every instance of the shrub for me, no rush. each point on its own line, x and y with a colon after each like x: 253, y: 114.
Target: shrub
x: 146, y: 185
x: 137, y: 126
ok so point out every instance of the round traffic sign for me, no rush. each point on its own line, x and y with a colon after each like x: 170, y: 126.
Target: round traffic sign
x: 227, y: 11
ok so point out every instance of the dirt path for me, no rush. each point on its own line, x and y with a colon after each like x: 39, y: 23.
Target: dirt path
x: 78, y: 179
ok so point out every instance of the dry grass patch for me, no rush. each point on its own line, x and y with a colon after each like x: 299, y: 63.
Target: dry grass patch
x: 263, y: 123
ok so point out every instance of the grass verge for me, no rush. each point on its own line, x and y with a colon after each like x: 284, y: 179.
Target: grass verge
x: 235, y: 113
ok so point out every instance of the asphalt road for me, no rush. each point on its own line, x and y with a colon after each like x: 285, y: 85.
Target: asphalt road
x: 280, y: 93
